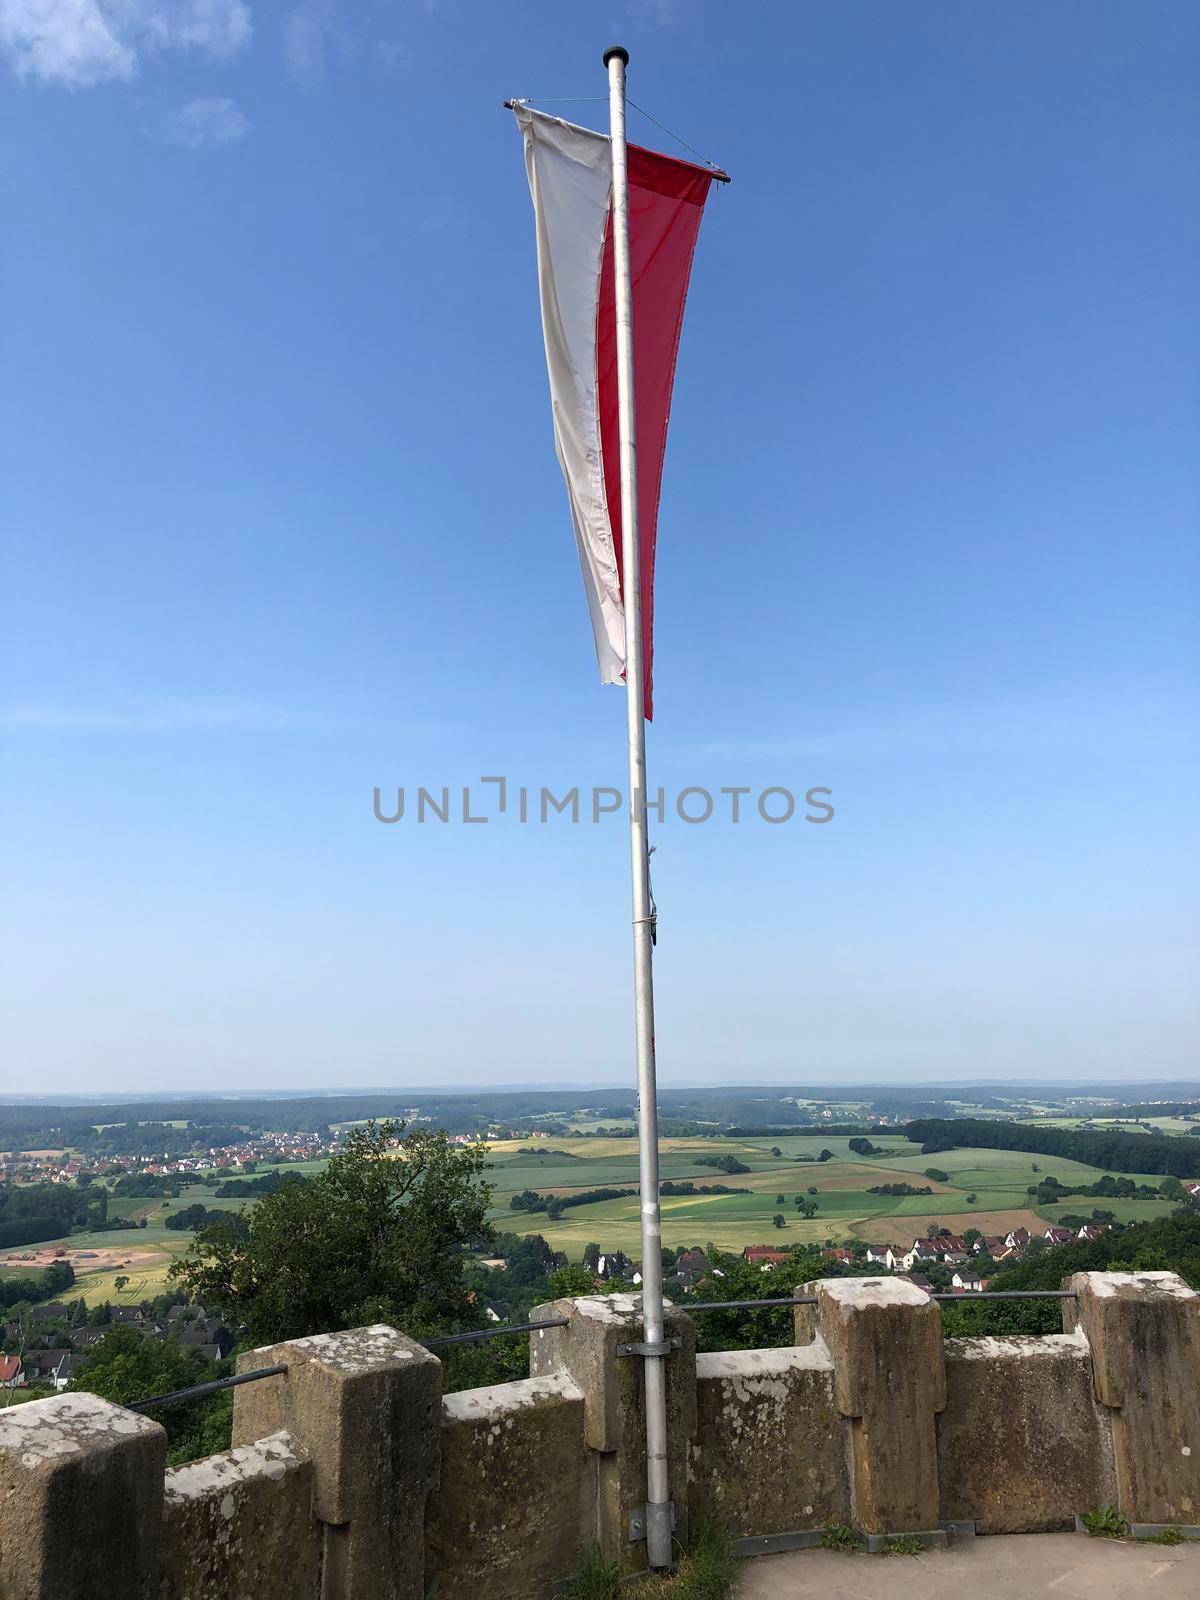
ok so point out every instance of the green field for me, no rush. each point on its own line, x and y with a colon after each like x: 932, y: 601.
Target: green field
x: 997, y: 1178
x: 151, y: 1249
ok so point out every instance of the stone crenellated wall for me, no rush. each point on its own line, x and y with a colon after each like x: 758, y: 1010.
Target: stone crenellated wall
x: 352, y: 1478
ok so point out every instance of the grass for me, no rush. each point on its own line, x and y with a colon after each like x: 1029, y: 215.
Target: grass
x: 902, y: 1544
x: 706, y: 1572
x: 1168, y: 1535
x: 1105, y: 1522
x: 841, y: 1536
x: 597, y: 1579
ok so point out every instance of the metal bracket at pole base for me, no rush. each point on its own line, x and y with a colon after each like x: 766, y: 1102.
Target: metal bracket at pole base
x: 663, y: 1515
x: 663, y: 1348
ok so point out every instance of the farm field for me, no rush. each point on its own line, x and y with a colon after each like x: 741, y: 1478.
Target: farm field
x: 1171, y: 1125
x: 998, y: 1180
x: 143, y: 1255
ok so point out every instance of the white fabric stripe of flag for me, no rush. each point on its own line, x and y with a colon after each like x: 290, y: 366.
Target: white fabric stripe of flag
x: 570, y: 179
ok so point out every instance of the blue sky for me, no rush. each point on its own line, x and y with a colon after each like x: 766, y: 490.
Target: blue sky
x: 282, y: 522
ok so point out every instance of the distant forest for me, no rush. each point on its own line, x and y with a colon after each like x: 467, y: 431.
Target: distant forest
x: 747, y: 1111
x: 145, y: 1126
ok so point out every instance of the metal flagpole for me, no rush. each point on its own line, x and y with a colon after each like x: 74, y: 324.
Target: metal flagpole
x: 654, y: 1348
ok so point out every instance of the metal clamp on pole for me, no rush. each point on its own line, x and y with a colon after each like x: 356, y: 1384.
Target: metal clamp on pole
x: 661, y: 1347
x: 639, y: 1518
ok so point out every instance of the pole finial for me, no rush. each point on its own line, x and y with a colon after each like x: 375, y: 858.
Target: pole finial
x: 616, y: 50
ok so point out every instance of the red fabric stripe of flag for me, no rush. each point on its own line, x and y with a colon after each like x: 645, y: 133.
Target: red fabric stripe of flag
x: 570, y: 177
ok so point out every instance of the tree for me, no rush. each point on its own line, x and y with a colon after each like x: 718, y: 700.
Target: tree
x: 126, y: 1366
x: 937, y: 1174
x: 780, y: 1199
x: 119, y: 1282
x: 379, y: 1236
x: 812, y: 1188
x: 776, y: 1151
x: 570, y: 1280
x: 591, y: 1256
x: 59, y: 1275
x: 778, y: 1220
x: 971, y: 1199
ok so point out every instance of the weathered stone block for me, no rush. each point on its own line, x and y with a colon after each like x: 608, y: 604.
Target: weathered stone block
x: 1143, y: 1329
x: 240, y: 1526
x: 364, y: 1408
x: 614, y: 1409
x: 1022, y: 1444
x: 769, y: 1454
x: 81, y: 1494
x: 517, y: 1491
x: 884, y: 1338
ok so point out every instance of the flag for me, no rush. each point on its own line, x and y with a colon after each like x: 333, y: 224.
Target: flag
x: 570, y: 179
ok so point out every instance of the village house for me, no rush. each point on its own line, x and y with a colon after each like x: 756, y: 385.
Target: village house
x: 990, y: 1245
x: 1058, y: 1235
x: 923, y: 1252
x: 764, y: 1257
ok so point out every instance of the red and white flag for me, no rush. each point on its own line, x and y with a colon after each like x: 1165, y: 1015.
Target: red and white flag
x: 570, y: 178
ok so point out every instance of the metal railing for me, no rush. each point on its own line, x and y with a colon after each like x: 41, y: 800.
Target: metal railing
x: 962, y: 1297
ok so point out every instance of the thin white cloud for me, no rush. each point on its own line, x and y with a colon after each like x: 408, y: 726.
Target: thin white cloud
x: 79, y: 43
x: 660, y: 13
x: 390, y: 52
x: 159, y: 716
x: 305, y: 32
x: 63, y: 41
x: 206, y: 124
x: 1047, y: 726
x: 199, y: 714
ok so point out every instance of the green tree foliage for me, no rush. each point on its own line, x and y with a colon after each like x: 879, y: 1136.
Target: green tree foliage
x: 1168, y: 1244
x: 570, y: 1280
x: 863, y: 1147
x: 937, y: 1174
x: 126, y: 1366
x: 47, y: 1285
x: 33, y: 1212
x: 196, y: 1216
x: 379, y: 1236
x: 254, y: 1188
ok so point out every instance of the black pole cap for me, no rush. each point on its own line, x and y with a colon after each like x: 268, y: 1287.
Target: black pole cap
x: 616, y: 50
